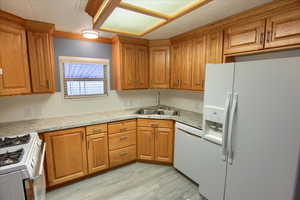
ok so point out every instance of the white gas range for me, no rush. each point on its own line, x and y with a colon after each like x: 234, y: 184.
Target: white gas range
x: 21, y: 168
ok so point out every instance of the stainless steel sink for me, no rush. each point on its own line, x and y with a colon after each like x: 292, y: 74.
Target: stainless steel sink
x: 158, y: 111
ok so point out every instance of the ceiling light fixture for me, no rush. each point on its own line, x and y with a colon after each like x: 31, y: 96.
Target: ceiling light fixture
x: 90, y: 34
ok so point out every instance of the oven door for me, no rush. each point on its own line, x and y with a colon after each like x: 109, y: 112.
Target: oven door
x: 35, y: 187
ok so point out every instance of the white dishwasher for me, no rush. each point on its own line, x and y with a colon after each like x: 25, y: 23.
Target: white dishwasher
x: 187, y: 146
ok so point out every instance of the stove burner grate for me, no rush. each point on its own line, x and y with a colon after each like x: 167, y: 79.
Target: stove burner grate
x: 14, y: 141
x: 10, y: 158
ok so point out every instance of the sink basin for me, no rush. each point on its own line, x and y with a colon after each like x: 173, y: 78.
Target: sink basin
x: 158, y: 111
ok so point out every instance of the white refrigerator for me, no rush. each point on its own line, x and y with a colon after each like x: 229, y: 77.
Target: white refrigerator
x: 257, y: 104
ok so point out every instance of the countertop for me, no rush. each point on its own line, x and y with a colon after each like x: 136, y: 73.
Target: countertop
x: 52, y: 124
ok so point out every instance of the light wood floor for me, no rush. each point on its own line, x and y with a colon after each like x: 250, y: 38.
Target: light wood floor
x: 137, y: 181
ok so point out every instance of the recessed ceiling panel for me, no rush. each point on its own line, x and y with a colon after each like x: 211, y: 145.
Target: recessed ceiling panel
x: 168, y: 7
x: 128, y: 21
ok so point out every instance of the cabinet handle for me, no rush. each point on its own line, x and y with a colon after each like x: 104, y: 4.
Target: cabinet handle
x: 124, y: 154
x: 124, y: 138
x: 154, y: 125
x: 89, y: 145
x: 1, y: 71
x: 48, y: 84
x: 268, y: 36
x: 262, y: 38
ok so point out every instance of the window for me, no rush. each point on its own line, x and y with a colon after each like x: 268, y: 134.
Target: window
x: 84, y: 77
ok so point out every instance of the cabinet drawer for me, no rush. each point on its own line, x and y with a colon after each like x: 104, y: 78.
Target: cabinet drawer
x: 122, y: 156
x: 155, y: 123
x: 117, y: 127
x: 96, y: 129
x: 120, y: 140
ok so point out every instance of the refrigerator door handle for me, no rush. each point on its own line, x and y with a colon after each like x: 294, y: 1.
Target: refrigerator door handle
x: 232, y: 116
x: 225, y: 125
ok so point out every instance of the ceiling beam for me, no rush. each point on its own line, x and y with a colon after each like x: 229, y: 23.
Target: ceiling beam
x: 141, y: 10
x: 104, y: 11
x: 92, y: 7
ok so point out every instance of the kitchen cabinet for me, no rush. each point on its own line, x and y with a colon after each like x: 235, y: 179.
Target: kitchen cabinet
x: 122, y: 142
x: 244, y: 37
x: 41, y: 59
x: 187, y: 65
x: 65, y: 155
x: 283, y: 29
x: 199, y: 61
x: 176, y: 65
x: 130, y: 63
x: 97, y: 150
x: 14, y: 68
x: 160, y: 67
x: 155, y: 140
x: 214, y: 47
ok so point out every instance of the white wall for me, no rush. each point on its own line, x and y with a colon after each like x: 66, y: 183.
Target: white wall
x: 188, y: 100
x: 39, y: 106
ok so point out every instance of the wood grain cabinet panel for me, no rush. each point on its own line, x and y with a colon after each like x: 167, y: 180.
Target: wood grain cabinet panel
x: 41, y: 57
x: 214, y: 47
x: 96, y: 129
x: 244, y: 37
x: 14, y: 68
x: 65, y: 155
x: 187, y: 65
x: 128, y: 66
x: 160, y: 67
x: 97, y: 148
x: 145, y: 142
x: 176, y: 66
x: 122, y: 156
x: 121, y: 140
x: 142, y: 67
x: 283, y: 29
x: 164, y: 145
x: 199, y: 61
x: 121, y: 126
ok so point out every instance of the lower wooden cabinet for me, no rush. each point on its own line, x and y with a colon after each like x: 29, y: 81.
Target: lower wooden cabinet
x: 155, y: 143
x: 122, y: 156
x: 97, y: 149
x: 65, y: 155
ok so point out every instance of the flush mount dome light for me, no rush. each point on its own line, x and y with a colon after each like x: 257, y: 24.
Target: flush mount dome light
x: 90, y: 34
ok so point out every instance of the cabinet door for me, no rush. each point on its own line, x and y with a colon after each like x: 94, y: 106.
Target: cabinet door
x: 214, y: 47
x: 199, y: 61
x: 97, y: 147
x: 142, y: 67
x: 145, y: 143
x: 283, y: 29
x: 176, y: 65
x: 65, y: 155
x: 187, y: 65
x: 244, y: 37
x: 128, y: 66
x: 40, y: 48
x: 14, y: 69
x: 160, y: 67
x: 164, y: 145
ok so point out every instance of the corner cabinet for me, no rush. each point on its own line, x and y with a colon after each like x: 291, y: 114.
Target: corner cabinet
x: 65, y: 155
x: 14, y: 68
x: 130, y: 63
x: 41, y: 58
x: 155, y: 139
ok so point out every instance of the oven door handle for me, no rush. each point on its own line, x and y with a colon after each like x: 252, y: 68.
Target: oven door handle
x: 41, y: 167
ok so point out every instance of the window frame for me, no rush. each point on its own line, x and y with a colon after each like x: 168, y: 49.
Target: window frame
x: 83, y: 60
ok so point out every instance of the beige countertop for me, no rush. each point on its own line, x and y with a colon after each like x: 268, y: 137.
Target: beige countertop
x: 52, y: 124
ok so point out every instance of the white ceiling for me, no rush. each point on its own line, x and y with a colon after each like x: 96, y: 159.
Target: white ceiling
x: 69, y: 15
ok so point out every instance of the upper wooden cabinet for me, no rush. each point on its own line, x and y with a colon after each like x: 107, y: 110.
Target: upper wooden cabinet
x: 14, y: 68
x: 41, y: 58
x: 160, y: 67
x: 283, y: 29
x: 214, y: 47
x: 65, y: 155
x: 199, y: 61
x: 130, y: 63
x: 187, y: 65
x: 244, y: 37
x: 176, y: 64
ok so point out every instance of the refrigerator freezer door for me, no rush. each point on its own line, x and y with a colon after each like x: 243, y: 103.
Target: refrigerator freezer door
x: 265, y: 133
